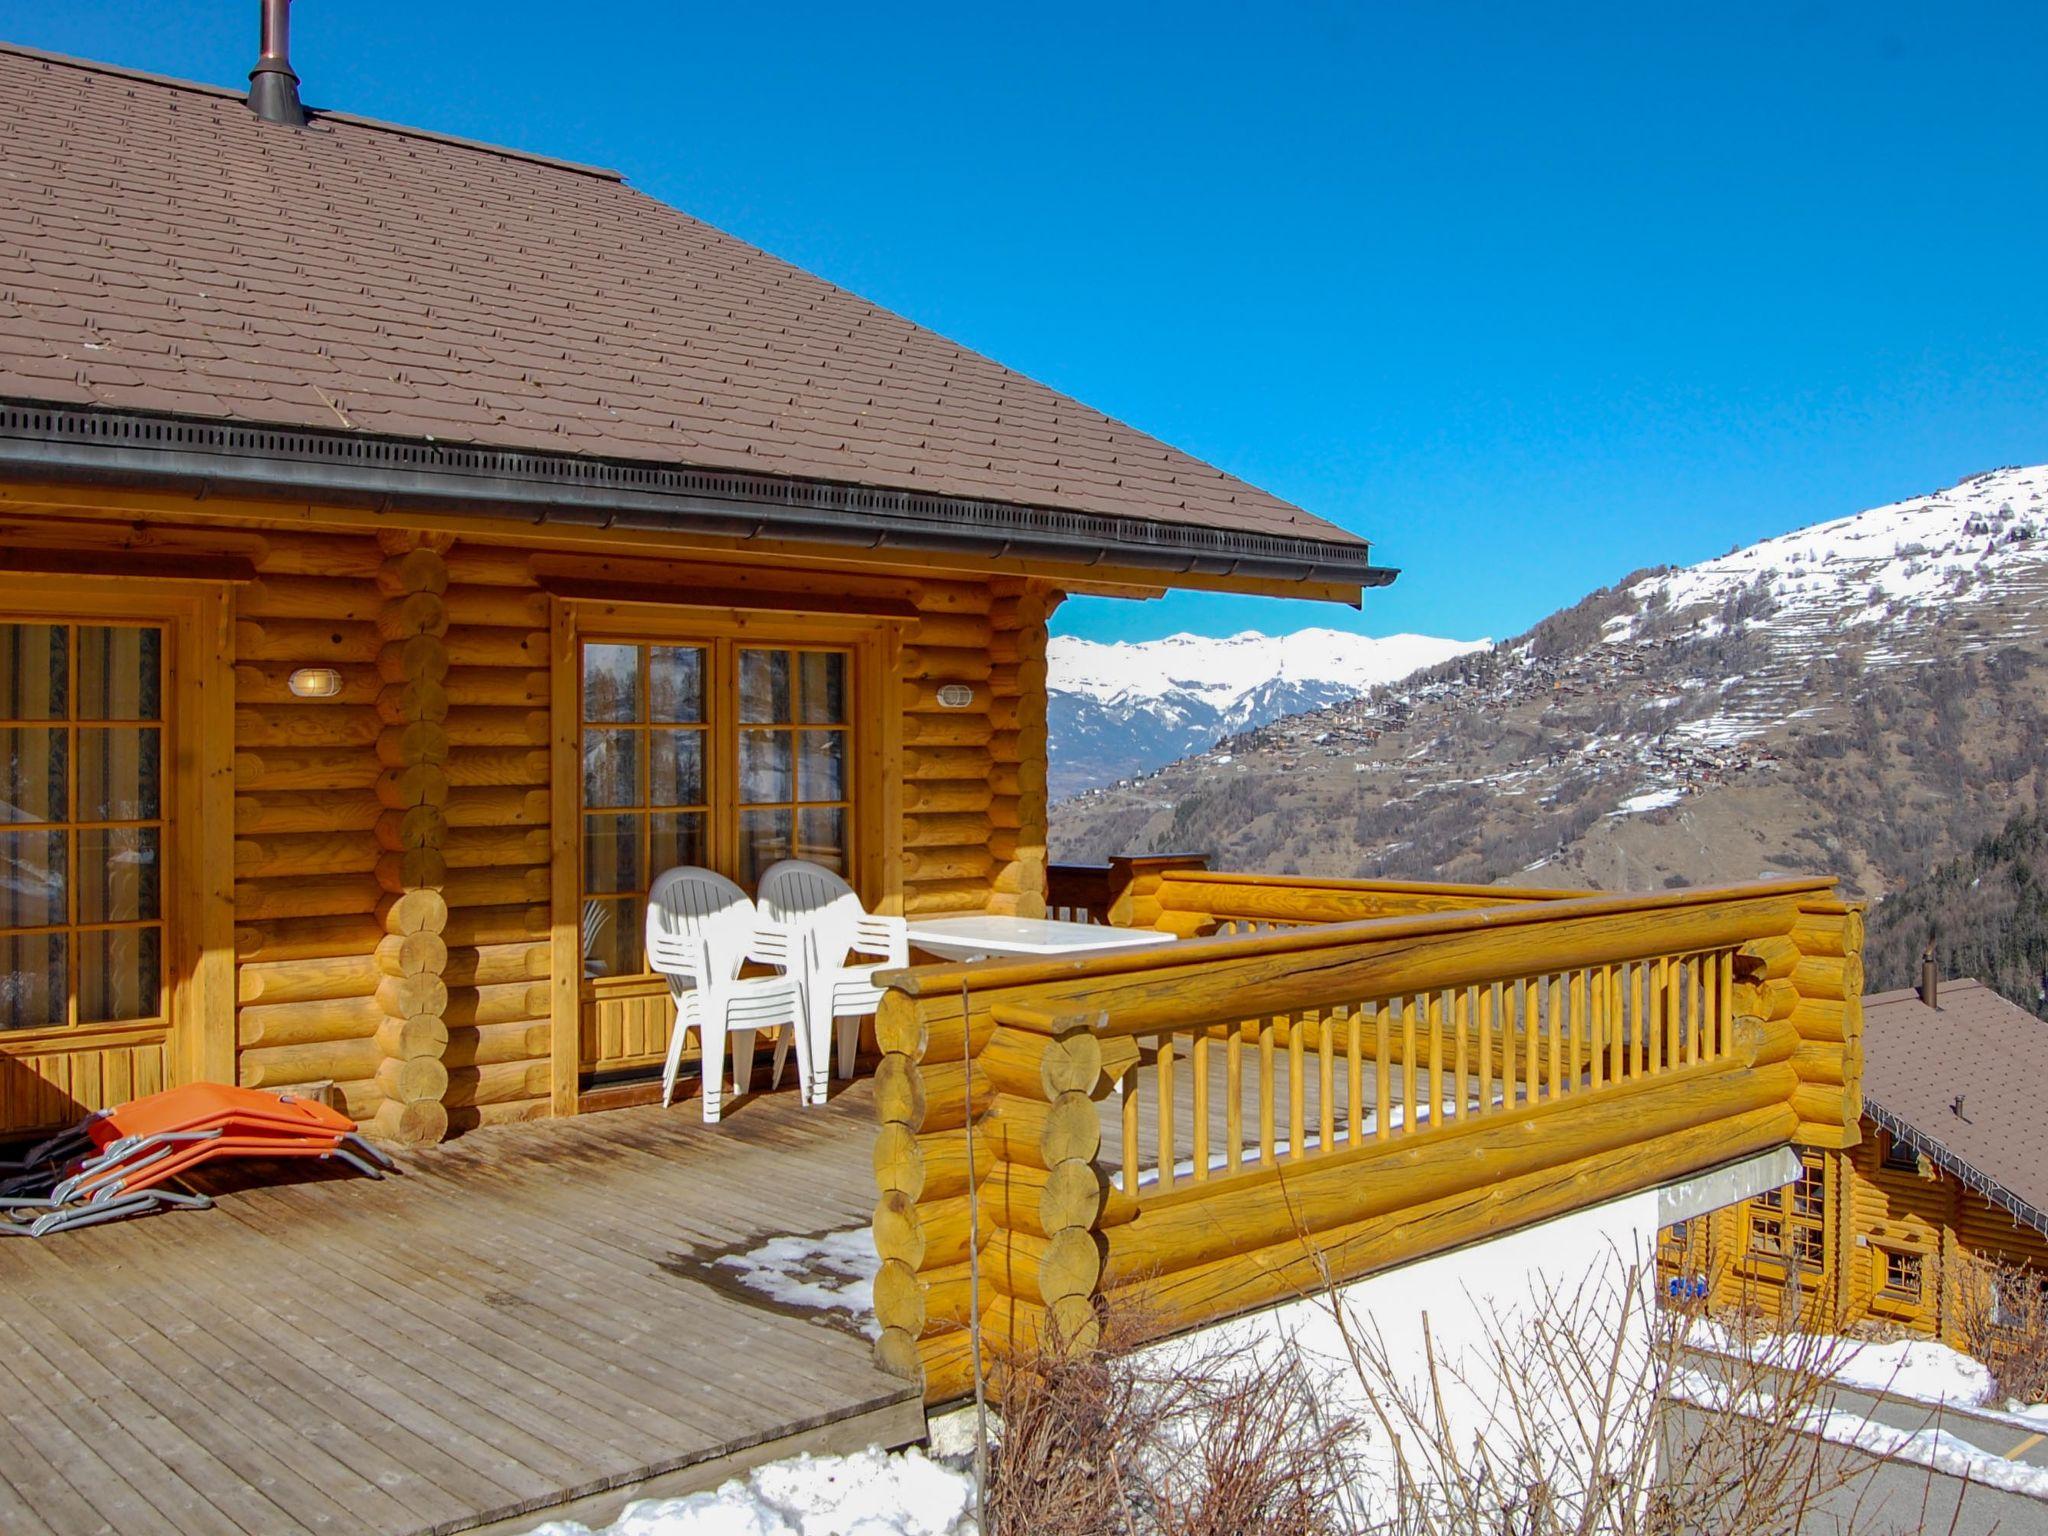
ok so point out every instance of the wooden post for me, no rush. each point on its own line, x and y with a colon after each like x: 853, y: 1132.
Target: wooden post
x: 412, y: 830
x: 1134, y: 882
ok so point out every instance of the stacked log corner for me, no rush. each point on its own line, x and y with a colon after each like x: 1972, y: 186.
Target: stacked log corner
x: 985, y: 1172
x: 1827, y: 978
x: 412, y: 829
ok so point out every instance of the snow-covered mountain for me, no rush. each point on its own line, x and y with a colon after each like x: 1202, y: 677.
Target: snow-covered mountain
x: 1125, y: 708
x: 1865, y: 696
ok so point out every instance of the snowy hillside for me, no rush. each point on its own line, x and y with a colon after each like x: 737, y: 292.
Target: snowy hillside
x: 1861, y: 697
x: 1126, y: 708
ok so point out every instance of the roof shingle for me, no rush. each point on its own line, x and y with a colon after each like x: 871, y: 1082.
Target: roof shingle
x: 163, y: 249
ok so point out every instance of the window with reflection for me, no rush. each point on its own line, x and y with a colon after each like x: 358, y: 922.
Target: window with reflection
x: 81, y: 824
x: 718, y: 754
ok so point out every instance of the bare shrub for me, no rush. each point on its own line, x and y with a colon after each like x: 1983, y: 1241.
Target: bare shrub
x: 2002, y: 1318
x: 1205, y: 1440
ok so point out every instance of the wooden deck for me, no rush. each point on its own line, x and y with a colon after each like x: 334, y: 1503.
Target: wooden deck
x: 526, y: 1318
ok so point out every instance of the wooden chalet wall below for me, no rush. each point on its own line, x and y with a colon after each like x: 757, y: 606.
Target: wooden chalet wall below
x: 393, y: 846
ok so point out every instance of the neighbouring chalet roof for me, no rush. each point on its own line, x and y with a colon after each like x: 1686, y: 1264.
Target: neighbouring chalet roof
x: 369, y: 289
x: 1964, y: 1083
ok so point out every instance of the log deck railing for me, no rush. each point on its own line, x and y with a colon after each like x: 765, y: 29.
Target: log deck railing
x: 1352, y: 1075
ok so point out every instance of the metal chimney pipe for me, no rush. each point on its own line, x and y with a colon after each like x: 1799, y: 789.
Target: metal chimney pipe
x: 273, y: 88
x: 1930, y: 979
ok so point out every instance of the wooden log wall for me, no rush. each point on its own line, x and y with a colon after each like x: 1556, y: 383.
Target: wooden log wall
x: 1017, y: 747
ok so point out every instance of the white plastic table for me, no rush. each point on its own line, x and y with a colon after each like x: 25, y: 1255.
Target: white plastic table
x: 980, y: 936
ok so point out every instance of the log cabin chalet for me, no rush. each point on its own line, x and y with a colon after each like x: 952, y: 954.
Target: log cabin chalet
x: 410, y: 547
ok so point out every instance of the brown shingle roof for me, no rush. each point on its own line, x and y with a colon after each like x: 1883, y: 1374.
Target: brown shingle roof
x: 1968, y: 1078
x: 163, y: 250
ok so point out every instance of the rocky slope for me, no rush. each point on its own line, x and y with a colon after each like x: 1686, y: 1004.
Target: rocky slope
x: 1867, y: 696
x: 1123, y: 709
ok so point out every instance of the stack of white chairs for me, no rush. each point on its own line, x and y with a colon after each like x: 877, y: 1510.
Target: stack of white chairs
x: 701, y: 931
x: 826, y: 926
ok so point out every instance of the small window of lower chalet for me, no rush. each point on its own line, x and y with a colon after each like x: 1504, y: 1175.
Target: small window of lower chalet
x: 1900, y: 1155
x: 2019, y: 1300
x: 83, y: 797
x: 1790, y: 1224
x: 1902, y: 1274
x: 718, y: 754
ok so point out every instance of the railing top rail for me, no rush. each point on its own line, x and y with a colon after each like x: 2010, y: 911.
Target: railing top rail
x: 946, y: 979
x: 1506, y: 895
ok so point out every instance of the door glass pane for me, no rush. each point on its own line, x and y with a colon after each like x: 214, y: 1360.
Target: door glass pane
x: 32, y: 984
x: 34, y: 770
x: 611, y: 767
x: 119, y: 673
x: 764, y: 687
x: 118, y: 976
x: 821, y: 775
x: 764, y: 767
x: 824, y: 838
x: 34, y: 659
x: 612, y: 937
x: 117, y: 773
x: 32, y: 869
x: 764, y: 838
x: 824, y: 688
x: 674, y: 838
x: 676, y: 767
x: 675, y: 682
x: 611, y: 854
x: 611, y: 682
x: 117, y: 875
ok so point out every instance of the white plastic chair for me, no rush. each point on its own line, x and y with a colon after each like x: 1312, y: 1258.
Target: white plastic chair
x: 827, y: 923
x: 701, y: 929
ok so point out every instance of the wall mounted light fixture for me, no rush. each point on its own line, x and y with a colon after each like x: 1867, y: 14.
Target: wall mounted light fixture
x: 314, y: 683
x: 955, y: 696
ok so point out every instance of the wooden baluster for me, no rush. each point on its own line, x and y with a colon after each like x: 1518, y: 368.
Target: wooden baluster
x: 1726, y: 995
x: 1653, y: 1014
x: 1128, y: 1088
x: 1382, y: 1071
x: 1436, y: 1057
x: 1326, y: 1079
x: 1694, y: 1019
x: 1639, y: 1014
x: 1233, y: 1110
x: 1198, y: 1065
x: 1555, y: 1029
x: 1266, y: 1092
x: 1673, y: 1018
x: 1504, y: 1021
x: 1617, y: 1039
x: 1297, y: 1087
x: 1486, y: 1074
x: 1532, y: 1076
x: 1461, y: 1049
x: 1354, y: 1075
x: 1408, y: 1007
x: 1165, y: 1112
x: 1574, y: 1027
x: 1596, y: 1026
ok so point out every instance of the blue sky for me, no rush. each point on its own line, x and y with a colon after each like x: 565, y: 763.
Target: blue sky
x: 1530, y: 296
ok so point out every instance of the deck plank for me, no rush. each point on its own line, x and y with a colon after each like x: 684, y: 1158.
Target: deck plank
x: 515, y: 1321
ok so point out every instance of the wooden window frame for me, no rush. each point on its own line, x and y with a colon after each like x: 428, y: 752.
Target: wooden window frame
x: 196, y: 852
x: 872, y: 644
x: 1882, y: 1288
x: 1784, y: 1208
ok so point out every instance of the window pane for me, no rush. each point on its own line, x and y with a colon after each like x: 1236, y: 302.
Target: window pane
x: 821, y: 773
x: 118, y: 975
x: 117, y: 773
x: 119, y: 674
x: 32, y: 985
x: 824, y: 688
x: 675, y: 682
x: 117, y: 876
x: 611, y: 854
x: 824, y: 838
x: 764, y: 767
x: 34, y: 772
x: 764, y: 838
x: 611, y: 767
x: 764, y: 687
x: 32, y: 868
x: 612, y: 937
x: 32, y: 670
x: 611, y: 682
x: 675, y: 838
x: 676, y: 768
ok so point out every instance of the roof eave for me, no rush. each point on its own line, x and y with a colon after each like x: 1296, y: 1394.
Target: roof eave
x: 211, y: 456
